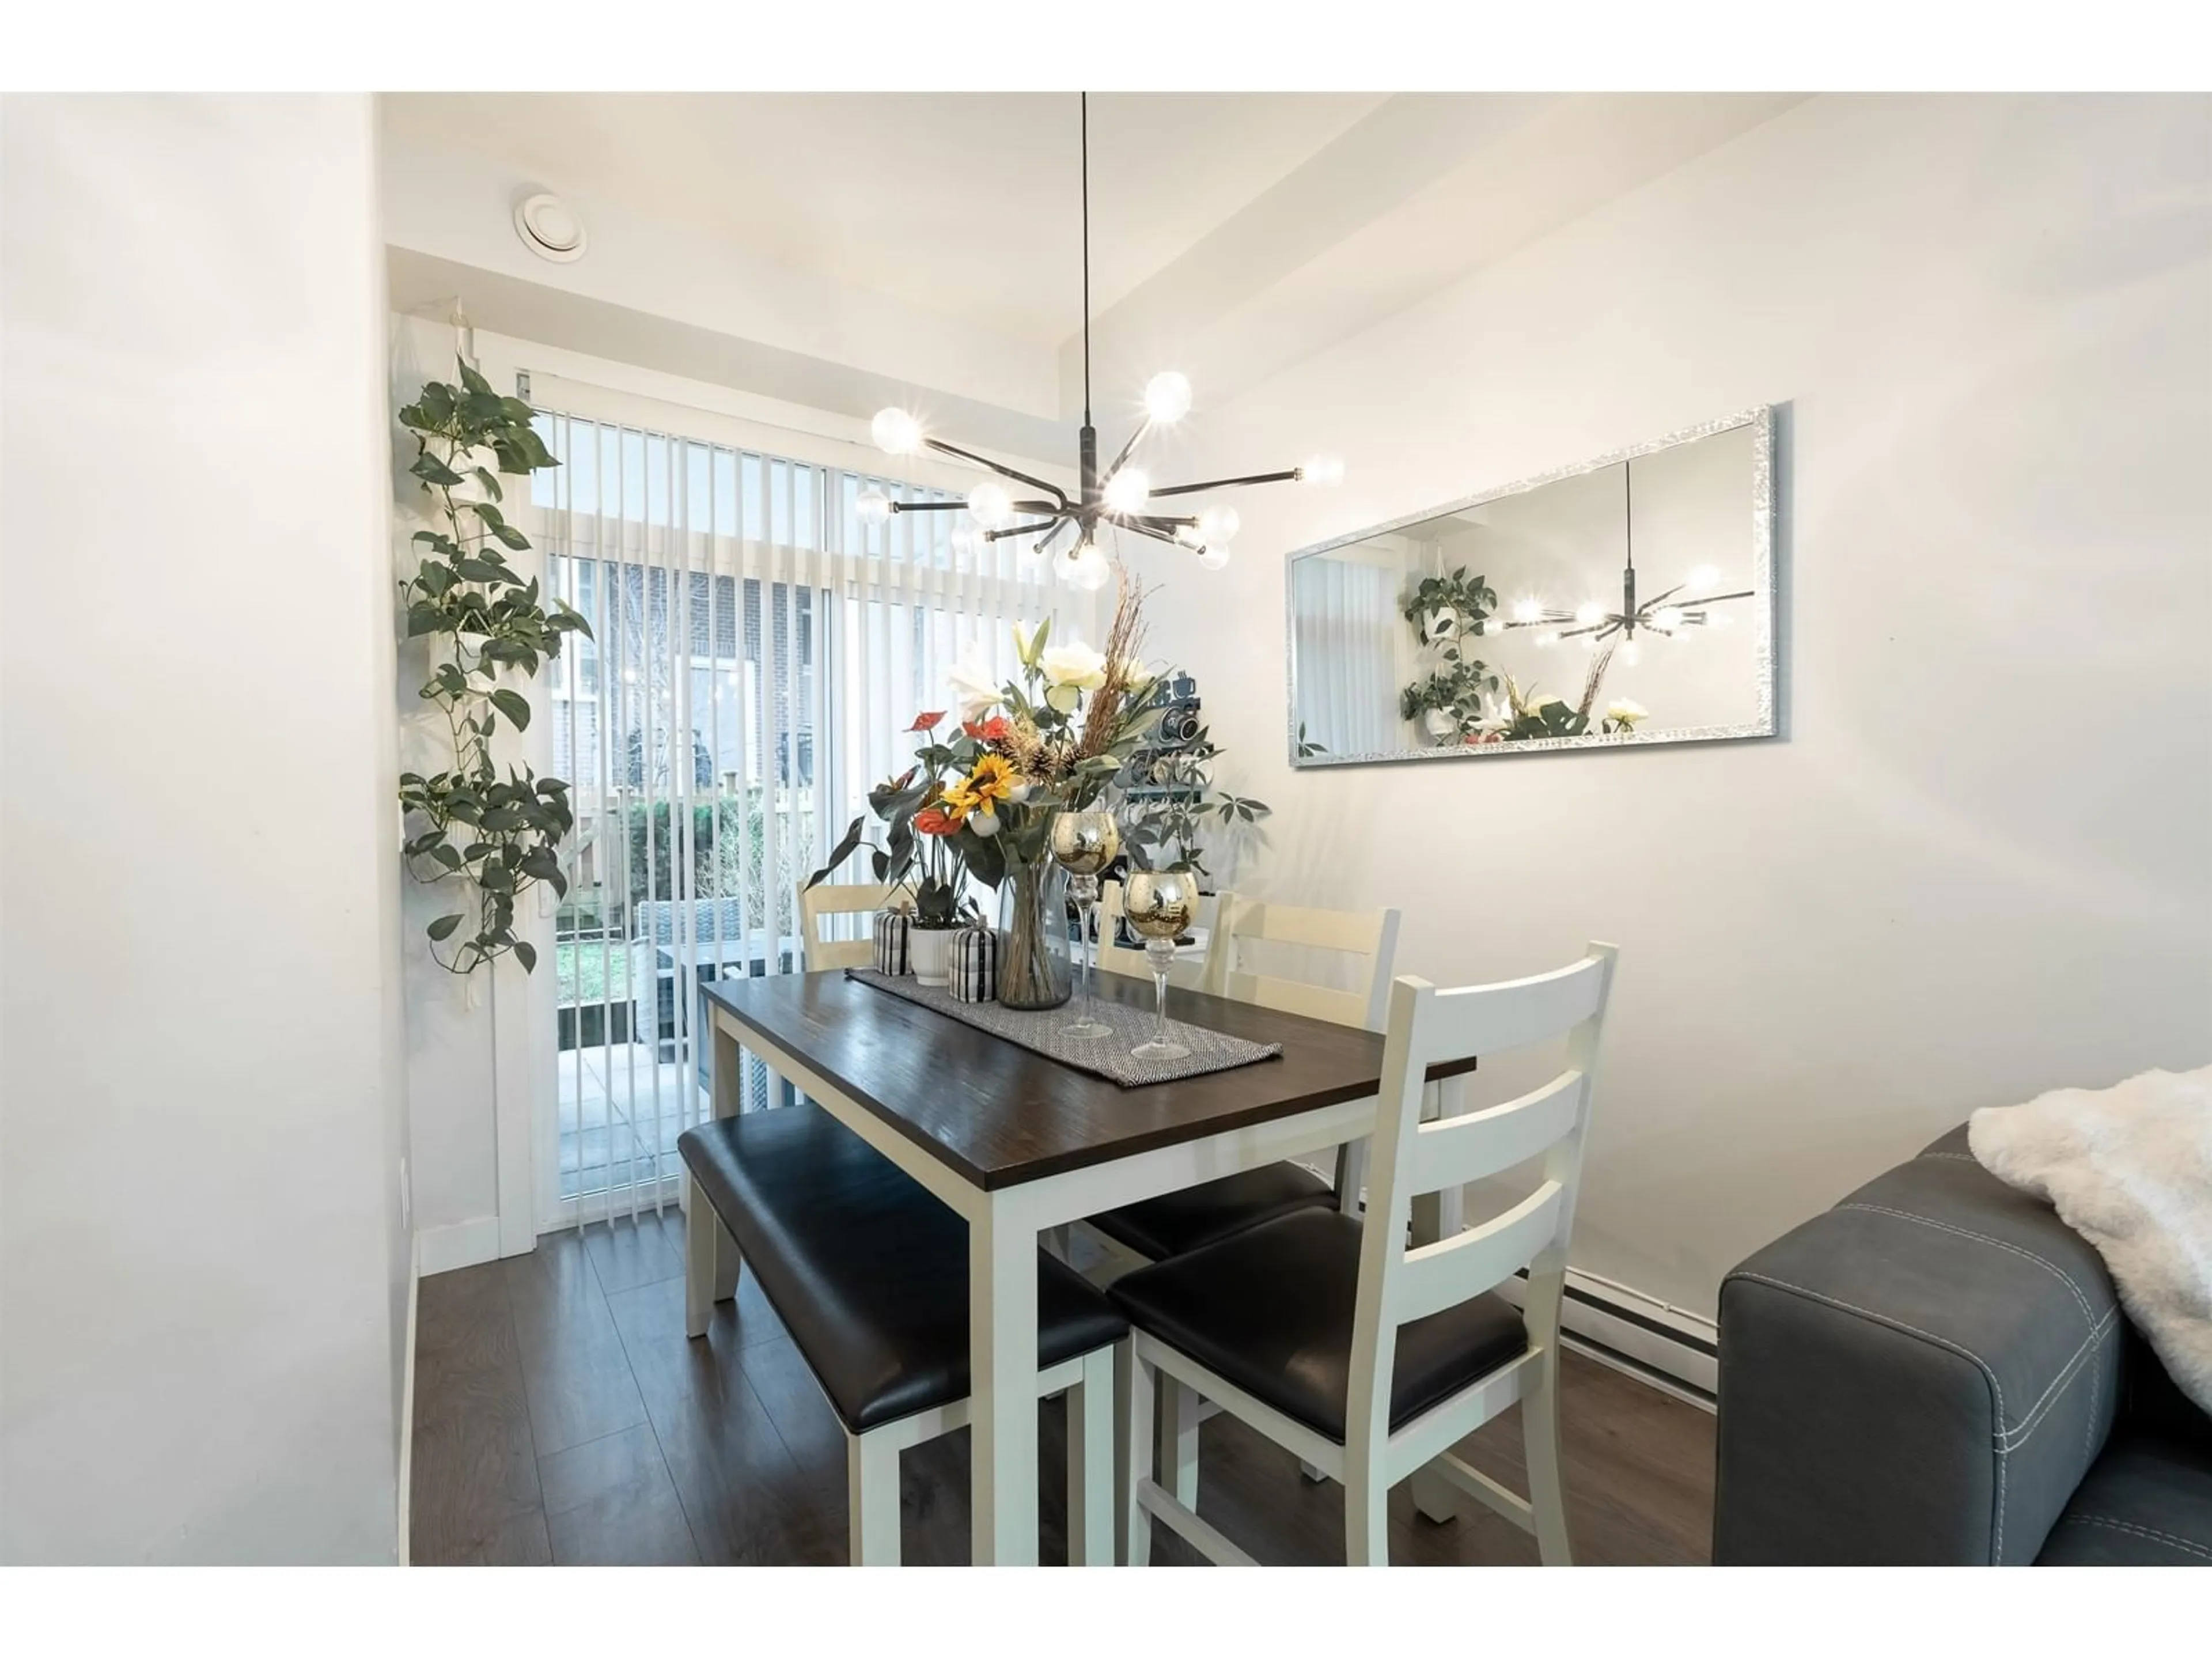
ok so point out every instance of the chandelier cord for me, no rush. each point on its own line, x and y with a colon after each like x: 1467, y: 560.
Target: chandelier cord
x: 1627, y: 516
x: 1083, y: 106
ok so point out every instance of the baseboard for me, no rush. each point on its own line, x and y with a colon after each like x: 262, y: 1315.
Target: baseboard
x: 1636, y: 1334
x: 407, y: 1403
x: 458, y: 1245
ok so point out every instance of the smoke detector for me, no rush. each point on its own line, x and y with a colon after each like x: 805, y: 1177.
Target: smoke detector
x: 550, y: 228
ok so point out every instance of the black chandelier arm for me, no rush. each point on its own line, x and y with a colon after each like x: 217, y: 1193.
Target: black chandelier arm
x: 1023, y: 529
x: 1692, y: 604
x: 1141, y: 529
x: 929, y: 506
x: 1159, y: 520
x: 1127, y: 450
x: 1050, y: 508
x: 1289, y: 477
x: 1004, y: 472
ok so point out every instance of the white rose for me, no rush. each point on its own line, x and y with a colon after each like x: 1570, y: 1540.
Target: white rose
x: 973, y: 689
x: 1626, y: 712
x: 1075, y: 665
x: 1065, y: 698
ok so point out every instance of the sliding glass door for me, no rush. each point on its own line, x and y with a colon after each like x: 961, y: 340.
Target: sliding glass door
x: 757, y: 652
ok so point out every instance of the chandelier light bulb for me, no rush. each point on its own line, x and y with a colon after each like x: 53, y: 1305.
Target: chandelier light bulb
x: 1528, y: 610
x: 1667, y: 618
x: 1167, y: 398
x: 873, y: 507
x: 1089, y: 569
x: 1323, y: 471
x: 1031, y: 552
x: 1189, y: 535
x: 1589, y: 614
x: 1704, y: 576
x: 1548, y: 638
x: 1218, y: 527
x: 1213, y: 556
x: 896, y: 431
x: 1632, y: 653
x: 990, y: 503
x: 1590, y: 641
x: 1128, y: 490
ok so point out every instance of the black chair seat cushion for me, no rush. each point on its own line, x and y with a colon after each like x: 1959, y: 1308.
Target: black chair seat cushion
x: 1197, y: 1216
x: 867, y: 1271
x: 1270, y: 1310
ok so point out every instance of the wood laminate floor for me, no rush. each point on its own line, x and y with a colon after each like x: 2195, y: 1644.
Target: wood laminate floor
x: 562, y: 1417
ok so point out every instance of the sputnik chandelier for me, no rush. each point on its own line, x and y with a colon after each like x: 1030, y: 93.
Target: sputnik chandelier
x: 1119, y: 497
x: 1663, y: 614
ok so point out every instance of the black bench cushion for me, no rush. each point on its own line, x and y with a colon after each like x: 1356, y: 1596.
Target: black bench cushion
x: 1197, y: 1216
x: 867, y: 1271
x: 1271, y: 1308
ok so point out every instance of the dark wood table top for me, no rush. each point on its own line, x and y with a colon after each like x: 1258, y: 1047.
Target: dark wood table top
x: 999, y: 1114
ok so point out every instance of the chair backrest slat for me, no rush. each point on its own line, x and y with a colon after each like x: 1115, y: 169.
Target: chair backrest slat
x: 1428, y: 1027
x: 1454, y: 1151
x: 817, y: 905
x: 1452, y: 1270
x: 1368, y: 937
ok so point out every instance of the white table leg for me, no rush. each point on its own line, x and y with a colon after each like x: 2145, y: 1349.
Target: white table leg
x: 1002, y: 1333
x: 726, y: 1072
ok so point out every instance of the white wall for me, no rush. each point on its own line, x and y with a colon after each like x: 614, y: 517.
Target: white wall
x: 203, y: 1269
x: 1974, y: 866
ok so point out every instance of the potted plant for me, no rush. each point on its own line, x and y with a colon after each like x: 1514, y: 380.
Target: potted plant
x: 1446, y: 612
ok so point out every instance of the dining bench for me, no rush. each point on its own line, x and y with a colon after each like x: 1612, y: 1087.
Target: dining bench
x: 868, y: 1272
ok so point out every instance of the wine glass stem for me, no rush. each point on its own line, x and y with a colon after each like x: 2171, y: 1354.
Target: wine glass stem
x: 1088, y: 908
x: 1160, y: 1004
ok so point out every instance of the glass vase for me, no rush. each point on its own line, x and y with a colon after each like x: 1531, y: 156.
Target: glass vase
x: 1033, y: 926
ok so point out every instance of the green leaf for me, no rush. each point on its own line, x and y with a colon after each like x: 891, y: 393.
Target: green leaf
x: 526, y: 954
x: 432, y: 470
x: 490, y: 483
x: 471, y: 379
x: 443, y: 928
x: 514, y: 706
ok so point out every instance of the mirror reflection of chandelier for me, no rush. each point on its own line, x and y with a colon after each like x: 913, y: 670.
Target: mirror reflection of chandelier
x: 1119, y: 497
x: 1665, y: 614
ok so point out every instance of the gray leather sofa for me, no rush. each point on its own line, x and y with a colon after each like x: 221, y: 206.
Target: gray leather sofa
x: 1937, y: 1371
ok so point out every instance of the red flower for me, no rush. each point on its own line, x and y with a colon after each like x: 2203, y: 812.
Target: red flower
x: 992, y: 730
x: 927, y: 720
x: 934, y: 821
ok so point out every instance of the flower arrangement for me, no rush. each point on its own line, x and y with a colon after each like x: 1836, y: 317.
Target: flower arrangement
x: 984, y: 795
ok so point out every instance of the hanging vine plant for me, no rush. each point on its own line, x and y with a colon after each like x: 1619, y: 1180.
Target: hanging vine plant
x: 497, y: 831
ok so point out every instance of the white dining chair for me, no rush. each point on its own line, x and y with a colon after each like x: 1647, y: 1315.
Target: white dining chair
x: 817, y: 905
x: 1366, y: 943
x: 1368, y: 1360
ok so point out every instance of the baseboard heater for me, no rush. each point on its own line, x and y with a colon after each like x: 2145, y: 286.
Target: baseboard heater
x: 1633, y: 1333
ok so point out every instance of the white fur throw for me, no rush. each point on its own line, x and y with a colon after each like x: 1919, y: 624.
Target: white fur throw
x: 2129, y: 1169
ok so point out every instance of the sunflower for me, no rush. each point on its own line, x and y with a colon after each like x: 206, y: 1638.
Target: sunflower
x: 978, y: 797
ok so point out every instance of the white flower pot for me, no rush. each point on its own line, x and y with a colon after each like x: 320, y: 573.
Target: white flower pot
x: 930, y: 949
x: 1439, y: 723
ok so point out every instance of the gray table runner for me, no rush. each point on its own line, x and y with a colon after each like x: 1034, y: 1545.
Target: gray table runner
x: 1109, y: 1057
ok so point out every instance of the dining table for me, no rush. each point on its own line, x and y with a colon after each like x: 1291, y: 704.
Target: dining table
x: 1020, y: 1145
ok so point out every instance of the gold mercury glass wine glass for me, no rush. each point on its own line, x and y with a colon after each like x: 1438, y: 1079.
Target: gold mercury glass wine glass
x: 1083, y: 844
x: 1159, y: 904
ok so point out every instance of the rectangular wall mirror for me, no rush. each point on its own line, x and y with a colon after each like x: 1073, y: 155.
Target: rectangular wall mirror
x: 1627, y: 600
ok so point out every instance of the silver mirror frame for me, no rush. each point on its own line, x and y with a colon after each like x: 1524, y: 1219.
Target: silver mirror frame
x: 1763, y: 723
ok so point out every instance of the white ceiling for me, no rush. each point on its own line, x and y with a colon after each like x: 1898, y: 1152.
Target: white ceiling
x: 841, y: 251
x: 964, y: 203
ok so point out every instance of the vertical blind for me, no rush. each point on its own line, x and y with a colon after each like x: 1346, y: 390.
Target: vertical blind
x: 759, y: 654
